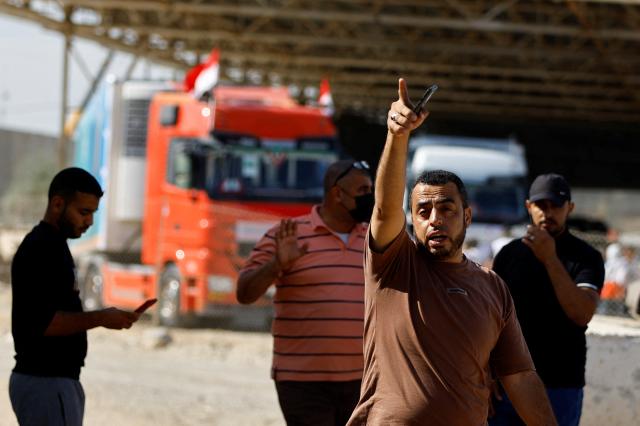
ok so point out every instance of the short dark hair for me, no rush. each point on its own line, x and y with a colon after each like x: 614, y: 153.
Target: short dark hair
x: 71, y: 180
x: 338, y: 170
x: 439, y: 178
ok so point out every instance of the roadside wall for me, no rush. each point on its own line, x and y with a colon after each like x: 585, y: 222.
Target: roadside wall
x: 17, y: 146
x: 612, y: 394
x: 619, y: 208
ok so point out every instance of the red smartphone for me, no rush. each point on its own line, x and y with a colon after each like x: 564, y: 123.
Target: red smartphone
x: 146, y: 305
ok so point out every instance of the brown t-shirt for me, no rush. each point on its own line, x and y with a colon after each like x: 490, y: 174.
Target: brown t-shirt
x: 433, y: 331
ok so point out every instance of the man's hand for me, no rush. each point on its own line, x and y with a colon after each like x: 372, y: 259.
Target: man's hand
x: 68, y: 323
x: 401, y: 119
x: 117, y: 319
x: 252, y: 284
x: 579, y: 304
x: 287, y: 249
x: 541, y: 243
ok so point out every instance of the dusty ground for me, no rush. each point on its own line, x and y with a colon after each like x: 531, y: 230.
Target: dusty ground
x: 216, y: 377
x: 205, y: 377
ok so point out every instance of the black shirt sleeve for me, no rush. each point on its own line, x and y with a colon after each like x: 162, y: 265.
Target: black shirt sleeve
x: 591, y: 270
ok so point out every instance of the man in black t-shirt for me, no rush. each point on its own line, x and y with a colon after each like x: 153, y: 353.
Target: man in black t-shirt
x: 555, y: 280
x: 48, y: 325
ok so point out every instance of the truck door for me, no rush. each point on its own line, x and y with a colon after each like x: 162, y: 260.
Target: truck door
x: 185, y: 200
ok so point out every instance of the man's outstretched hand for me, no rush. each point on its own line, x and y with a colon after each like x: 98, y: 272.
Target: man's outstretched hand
x: 117, y: 319
x: 401, y: 120
x: 287, y: 249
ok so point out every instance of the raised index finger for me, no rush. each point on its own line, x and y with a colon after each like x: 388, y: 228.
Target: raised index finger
x: 403, y: 95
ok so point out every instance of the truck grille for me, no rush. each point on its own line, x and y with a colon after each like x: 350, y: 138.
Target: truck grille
x: 136, y: 112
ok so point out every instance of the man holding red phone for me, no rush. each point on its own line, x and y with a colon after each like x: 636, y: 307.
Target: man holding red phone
x: 48, y: 324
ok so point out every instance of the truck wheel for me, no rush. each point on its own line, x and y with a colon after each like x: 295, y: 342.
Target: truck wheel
x: 169, y: 303
x: 92, y: 289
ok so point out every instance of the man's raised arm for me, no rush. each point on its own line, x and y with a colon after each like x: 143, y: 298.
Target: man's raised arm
x: 388, y: 217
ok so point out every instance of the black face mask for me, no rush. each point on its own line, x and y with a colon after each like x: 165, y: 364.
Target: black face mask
x: 364, y: 208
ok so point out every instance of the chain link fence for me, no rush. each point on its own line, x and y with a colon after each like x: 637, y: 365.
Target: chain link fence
x: 614, y: 292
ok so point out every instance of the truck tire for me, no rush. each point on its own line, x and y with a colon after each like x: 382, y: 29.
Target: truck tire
x: 169, y: 298
x: 92, y: 289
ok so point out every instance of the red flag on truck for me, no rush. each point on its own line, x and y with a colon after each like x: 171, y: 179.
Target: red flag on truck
x: 325, y: 100
x: 203, y: 77
x: 190, y: 77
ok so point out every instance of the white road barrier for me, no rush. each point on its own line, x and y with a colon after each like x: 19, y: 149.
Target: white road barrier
x: 612, y: 394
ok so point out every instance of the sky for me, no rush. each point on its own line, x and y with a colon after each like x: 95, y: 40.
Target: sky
x: 31, y: 60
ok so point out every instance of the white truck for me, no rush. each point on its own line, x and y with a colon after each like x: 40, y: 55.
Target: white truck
x: 494, y: 172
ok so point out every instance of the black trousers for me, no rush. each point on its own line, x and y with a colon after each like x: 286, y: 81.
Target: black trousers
x: 317, y: 403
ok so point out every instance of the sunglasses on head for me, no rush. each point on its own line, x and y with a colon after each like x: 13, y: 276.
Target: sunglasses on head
x: 360, y: 165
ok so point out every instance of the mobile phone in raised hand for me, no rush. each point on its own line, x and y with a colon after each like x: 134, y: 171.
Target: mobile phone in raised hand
x: 146, y: 305
x: 425, y: 98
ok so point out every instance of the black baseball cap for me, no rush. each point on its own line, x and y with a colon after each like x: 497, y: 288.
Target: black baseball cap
x: 552, y: 187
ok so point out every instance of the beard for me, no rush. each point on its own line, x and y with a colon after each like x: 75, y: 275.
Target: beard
x: 443, y: 253
x: 66, y: 227
x: 553, y: 228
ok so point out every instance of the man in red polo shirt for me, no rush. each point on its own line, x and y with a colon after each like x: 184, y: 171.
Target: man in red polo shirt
x: 315, y: 262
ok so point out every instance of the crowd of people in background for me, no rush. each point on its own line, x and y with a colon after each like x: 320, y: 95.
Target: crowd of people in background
x: 622, y: 268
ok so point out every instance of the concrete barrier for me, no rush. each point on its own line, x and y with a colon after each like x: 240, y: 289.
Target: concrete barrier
x: 632, y: 299
x: 612, y: 394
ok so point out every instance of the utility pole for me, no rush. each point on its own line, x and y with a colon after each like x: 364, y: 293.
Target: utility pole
x: 63, y: 141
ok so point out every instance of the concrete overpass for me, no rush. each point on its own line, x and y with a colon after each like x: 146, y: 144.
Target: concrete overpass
x: 563, y: 76
x: 523, y: 59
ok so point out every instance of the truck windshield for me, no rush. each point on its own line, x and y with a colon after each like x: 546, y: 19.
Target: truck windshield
x: 497, y: 203
x: 254, y: 174
x: 232, y: 172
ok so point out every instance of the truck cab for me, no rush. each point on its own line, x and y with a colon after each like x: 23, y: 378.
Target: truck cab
x: 215, y: 176
x: 234, y: 168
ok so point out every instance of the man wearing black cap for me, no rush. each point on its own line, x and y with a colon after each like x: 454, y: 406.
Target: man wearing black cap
x: 555, y: 280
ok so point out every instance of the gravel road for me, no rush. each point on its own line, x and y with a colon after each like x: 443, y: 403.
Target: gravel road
x: 203, y: 377
x: 219, y: 377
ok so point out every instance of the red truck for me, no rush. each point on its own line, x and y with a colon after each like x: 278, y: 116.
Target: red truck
x: 190, y: 186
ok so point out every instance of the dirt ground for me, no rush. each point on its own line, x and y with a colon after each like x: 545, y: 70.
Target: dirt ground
x: 219, y: 377
x: 204, y: 377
